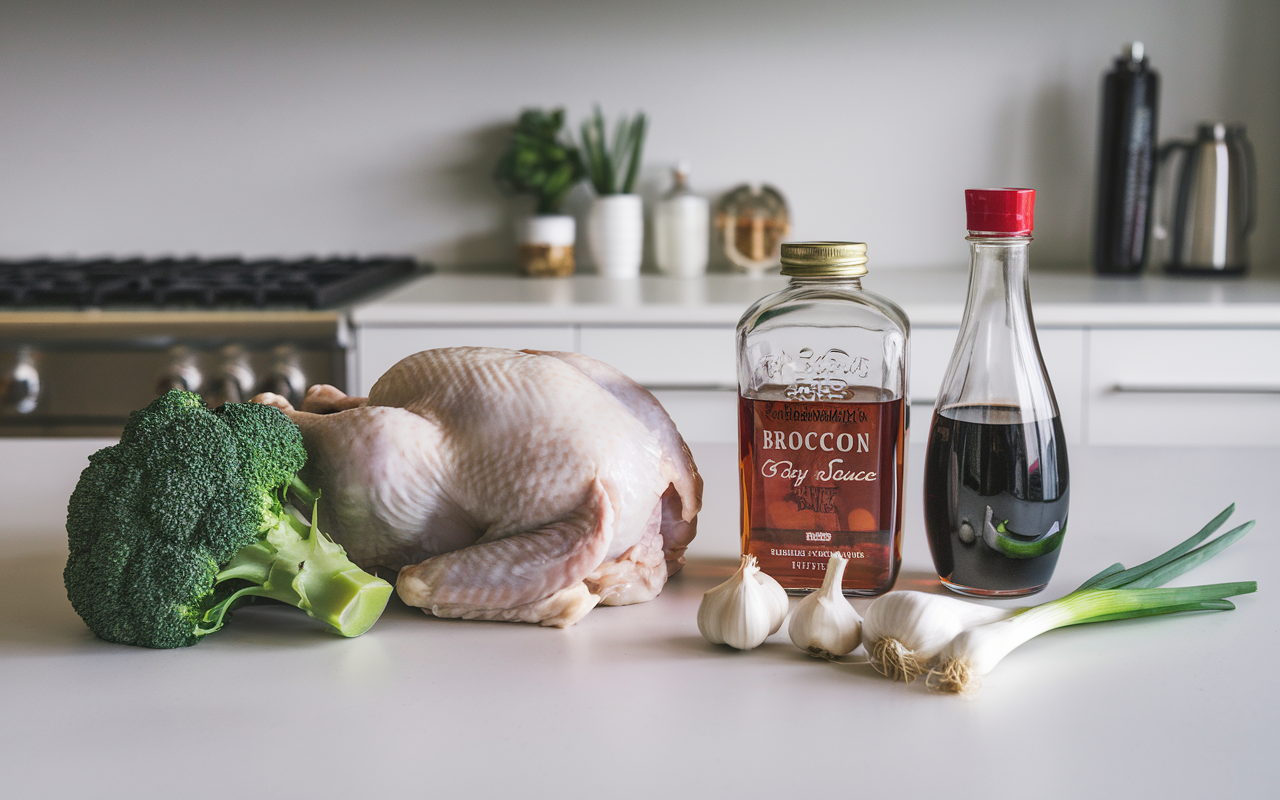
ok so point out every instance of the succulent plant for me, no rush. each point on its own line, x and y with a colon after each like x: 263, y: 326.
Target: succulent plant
x: 613, y: 170
x: 540, y: 162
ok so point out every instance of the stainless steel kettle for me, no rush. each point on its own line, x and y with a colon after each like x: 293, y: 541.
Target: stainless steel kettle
x: 1206, y: 202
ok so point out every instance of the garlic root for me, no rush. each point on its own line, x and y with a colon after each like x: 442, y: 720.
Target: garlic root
x: 953, y: 676
x: 894, y: 660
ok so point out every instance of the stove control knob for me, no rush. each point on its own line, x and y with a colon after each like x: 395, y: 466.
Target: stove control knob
x: 183, y: 373
x: 286, y: 378
x: 234, y: 381
x: 20, y: 390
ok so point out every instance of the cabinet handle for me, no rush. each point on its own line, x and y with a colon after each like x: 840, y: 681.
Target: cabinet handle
x: 1172, y: 388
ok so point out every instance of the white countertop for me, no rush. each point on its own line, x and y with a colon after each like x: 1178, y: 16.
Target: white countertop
x: 931, y: 297
x: 632, y: 703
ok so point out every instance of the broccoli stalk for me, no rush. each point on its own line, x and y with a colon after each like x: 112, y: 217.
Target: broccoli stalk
x: 296, y: 563
x: 186, y: 517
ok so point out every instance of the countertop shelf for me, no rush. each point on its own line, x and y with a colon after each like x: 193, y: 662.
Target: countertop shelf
x: 931, y: 297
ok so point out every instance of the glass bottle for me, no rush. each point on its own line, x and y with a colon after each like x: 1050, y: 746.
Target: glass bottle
x: 822, y: 423
x: 996, y: 481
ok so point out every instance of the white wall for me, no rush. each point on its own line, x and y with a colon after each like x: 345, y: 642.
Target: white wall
x: 292, y: 127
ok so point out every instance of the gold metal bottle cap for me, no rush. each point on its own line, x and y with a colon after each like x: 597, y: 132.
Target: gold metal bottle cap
x: 824, y: 259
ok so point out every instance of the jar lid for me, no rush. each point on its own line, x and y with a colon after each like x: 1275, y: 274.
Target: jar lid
x: 824, y: 259
x: 1000, y: 212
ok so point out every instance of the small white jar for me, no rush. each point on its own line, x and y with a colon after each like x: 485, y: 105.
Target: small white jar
x: 682, y: 229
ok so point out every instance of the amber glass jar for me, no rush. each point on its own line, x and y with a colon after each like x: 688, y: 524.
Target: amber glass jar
x: 823, y: 417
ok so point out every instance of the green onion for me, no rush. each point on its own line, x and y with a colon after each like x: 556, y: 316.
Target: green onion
x: 907, y: 633
x: 1110, y: 578
x: 976, y: 651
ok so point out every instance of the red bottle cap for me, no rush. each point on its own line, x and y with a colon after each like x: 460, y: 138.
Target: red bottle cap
x: 1007, y: 212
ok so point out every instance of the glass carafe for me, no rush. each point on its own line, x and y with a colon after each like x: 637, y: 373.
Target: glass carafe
x: 996, y: 481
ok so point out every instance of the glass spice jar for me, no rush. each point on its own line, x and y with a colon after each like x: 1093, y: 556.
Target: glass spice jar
x: 823, y: 415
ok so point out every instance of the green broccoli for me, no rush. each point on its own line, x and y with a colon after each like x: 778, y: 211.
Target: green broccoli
x: 188, y: 515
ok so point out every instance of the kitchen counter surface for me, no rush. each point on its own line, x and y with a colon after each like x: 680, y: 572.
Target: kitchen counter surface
x: 929, y: 296
x: 632, y: 703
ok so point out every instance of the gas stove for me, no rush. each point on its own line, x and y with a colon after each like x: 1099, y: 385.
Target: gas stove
x: 84, y: 342
x: 194, y: 282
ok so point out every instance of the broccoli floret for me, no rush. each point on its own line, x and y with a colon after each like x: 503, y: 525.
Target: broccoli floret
x: 188, y: 515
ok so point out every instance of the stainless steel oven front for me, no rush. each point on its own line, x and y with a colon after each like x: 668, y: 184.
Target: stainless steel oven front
x: 80, y: 373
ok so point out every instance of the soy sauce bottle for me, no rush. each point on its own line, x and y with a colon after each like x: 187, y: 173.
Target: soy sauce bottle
x: 996, y: 480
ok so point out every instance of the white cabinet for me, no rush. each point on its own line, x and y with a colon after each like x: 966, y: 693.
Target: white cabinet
x: 690, y: 369
x: 667, y: 357
x: 1063, y: 350
x: 1180, y: 387
x: 379, y: 348
x: 1175, y: 363
x: 930, y: 354
x: 702, y: 416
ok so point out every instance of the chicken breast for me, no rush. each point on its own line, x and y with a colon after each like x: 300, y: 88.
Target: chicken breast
x: 525, y: 486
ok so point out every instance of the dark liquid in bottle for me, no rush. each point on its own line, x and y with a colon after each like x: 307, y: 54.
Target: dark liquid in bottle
x: 995, y: 499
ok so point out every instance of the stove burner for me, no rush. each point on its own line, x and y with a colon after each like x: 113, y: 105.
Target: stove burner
x: 313, y: 282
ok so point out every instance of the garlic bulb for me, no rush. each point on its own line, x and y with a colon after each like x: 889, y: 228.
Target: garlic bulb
x: 824, y: 624
x: 905, y: 631
x: 745, y: 610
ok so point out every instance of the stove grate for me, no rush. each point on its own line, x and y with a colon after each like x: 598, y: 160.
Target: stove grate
x: 208, y: 283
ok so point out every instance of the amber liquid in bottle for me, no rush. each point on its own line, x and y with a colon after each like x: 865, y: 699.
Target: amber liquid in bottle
x: 820, y: 478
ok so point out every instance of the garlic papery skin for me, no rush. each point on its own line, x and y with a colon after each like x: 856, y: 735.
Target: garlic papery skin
x: 745, y: 610
x: 824, y: 624
x: 905, y: 631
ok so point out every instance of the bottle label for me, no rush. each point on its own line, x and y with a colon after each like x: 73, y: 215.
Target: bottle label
x: 820, y: 478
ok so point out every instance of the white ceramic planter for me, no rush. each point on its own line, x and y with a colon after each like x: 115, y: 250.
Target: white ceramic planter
x: 615, y: 235
x: 553, y: 229
x: 546, y: 245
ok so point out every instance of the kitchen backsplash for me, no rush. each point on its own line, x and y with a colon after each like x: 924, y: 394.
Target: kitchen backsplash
x: 296, y: 127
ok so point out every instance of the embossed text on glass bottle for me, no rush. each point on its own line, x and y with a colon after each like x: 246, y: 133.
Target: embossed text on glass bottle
x: 823, y: 416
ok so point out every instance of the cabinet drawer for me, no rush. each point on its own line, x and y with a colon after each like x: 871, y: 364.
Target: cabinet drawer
x: 380, y: 348
x: 704, y: 416
x: 666, y: 357
x: 1174, y: 387
x: 930, y: 353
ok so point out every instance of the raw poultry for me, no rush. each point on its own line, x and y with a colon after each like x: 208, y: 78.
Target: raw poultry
x: 524, y: 486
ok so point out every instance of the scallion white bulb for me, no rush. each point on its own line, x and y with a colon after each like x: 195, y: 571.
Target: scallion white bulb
x: 905, y: 631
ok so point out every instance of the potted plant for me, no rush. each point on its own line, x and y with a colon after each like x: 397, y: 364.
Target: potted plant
x: 615, y: 224
x: 539, y: 163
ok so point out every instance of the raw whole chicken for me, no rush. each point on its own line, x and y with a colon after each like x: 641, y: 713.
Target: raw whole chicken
x: 525, y: 486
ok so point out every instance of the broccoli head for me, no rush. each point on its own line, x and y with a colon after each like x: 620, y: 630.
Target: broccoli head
x: 187, y: 516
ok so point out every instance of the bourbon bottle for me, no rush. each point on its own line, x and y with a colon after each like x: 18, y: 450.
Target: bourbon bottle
x: 823, y: 415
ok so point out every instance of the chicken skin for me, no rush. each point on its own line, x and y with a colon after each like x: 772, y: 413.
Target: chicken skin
x: 523, y: 486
